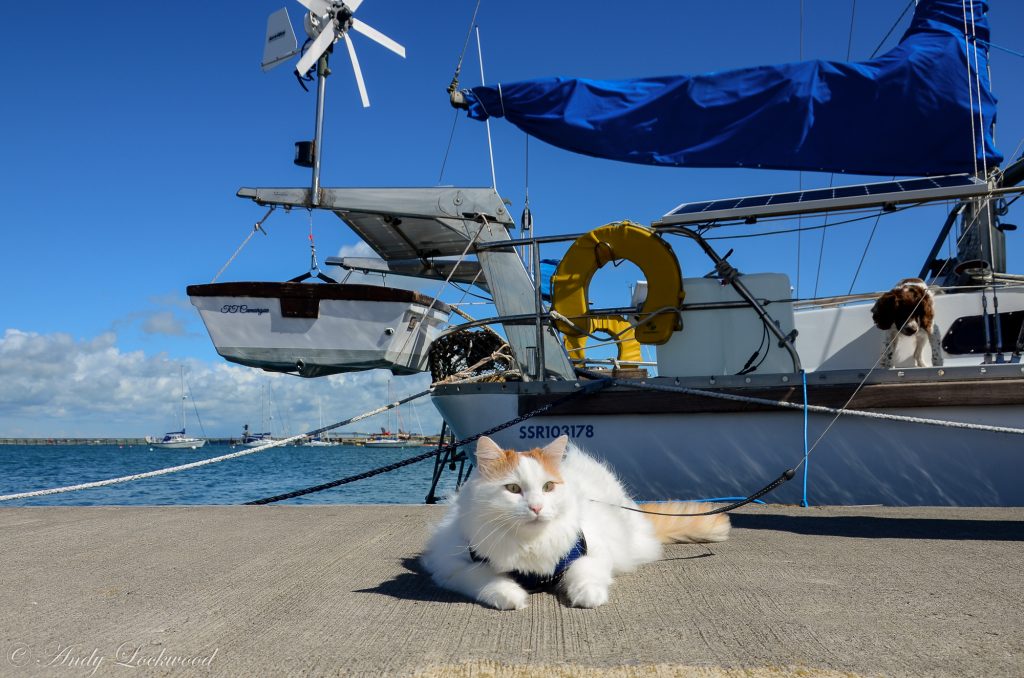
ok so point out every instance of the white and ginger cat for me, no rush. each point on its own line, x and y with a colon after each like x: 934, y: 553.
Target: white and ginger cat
x: 549, y: 519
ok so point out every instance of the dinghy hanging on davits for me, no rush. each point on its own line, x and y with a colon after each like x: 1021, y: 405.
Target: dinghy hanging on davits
x: 314, y: 330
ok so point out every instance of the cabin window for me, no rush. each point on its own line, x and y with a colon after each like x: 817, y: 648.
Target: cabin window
x: 967, y: 334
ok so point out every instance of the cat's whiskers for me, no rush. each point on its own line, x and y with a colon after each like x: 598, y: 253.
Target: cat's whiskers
x: 497, y: 518
x: 507, y: 524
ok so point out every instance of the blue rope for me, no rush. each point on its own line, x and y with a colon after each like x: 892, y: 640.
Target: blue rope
x: 804, y: 502
x: 992, y: 44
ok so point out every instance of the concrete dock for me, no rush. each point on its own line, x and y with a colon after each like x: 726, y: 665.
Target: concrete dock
x: 336, y: 590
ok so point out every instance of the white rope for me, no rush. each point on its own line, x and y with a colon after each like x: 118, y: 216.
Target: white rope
x: 821, y: 409
x: 212, y: 460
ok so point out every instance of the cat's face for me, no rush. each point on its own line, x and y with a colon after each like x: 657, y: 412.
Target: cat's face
x: 527, y: 486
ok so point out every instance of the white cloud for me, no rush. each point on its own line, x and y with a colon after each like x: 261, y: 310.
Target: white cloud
x: 360, y: 249
x: 53, y: 385
x: 164, y: 322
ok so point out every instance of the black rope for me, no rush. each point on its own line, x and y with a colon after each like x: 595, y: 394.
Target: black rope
x: 587, y: 388
x: 787, y: 475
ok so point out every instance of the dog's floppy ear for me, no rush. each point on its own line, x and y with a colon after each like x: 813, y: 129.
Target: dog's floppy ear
x: 884, y: 310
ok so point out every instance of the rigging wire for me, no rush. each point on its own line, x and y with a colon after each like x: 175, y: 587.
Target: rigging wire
x: 800, y: 175
x: 832, y: 175
x: 893, y: 27
x: 195, y: 408
x: 970, y: 88
x: 487, y: 123
x: 867, y: 246
x: 455, y: 85
x: 824, y: 231
x: 999, y: 47
x: 980, y: 142
x: 864, y: 254
x: 849, y: 39
x: 465, y: 46
x: 466, y: 291
x: 808, y: 228
x: 257, y: 227
x: 448, y: 149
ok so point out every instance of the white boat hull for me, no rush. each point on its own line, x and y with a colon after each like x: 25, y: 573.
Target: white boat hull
x: 182, y: 444
x: 257, y: 443
x: 733, y: 454
x: 391, y: 443
x: 305, y: 330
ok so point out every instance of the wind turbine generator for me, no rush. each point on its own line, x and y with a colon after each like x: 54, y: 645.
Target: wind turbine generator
x: 326, y: 22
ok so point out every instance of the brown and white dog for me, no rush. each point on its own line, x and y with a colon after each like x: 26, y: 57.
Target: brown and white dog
x: 908, y: 308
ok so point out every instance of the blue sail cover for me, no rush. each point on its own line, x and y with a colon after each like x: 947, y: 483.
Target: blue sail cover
x: 907, y: 112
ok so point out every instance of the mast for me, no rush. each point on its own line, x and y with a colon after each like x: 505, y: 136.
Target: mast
x: 181, y: 372
x: 321, y: 88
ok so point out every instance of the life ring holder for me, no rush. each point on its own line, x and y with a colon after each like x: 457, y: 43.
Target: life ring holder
x: 611, y: 242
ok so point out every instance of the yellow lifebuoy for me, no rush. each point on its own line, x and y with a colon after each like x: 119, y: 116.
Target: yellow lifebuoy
x: 611, y: 242
x: 618, y: 328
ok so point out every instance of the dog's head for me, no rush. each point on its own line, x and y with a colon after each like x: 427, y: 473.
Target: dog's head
x: 908, y: 307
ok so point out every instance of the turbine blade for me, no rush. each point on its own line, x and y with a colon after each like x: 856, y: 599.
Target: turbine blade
x: 318, y: 7
x: 378, y: 37
x: 358, y: 71
x: 323, y: 41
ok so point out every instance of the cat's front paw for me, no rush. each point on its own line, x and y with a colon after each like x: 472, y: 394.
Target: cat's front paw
x: 504, y: 594
x: 586, y: 594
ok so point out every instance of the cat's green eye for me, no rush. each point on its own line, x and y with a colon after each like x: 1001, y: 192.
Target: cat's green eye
x: 514, y: 489
x: 549, y: 485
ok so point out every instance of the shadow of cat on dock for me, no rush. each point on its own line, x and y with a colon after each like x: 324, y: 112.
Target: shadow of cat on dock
x: 552, y: 520
x: 415, y: 584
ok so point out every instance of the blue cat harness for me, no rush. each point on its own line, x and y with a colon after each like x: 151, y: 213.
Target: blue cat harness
x: 533, y: 582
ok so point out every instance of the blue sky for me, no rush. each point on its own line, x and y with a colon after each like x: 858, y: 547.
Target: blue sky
x: 127, y: 129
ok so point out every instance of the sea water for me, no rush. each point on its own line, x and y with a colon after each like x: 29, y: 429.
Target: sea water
x: 236, y: 481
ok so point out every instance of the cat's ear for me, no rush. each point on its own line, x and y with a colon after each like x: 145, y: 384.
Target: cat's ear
x: 488, y: 453
x: 555, y: 450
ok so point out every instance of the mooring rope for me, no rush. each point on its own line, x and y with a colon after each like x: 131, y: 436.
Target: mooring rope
x: 821, y: 409
x: 589, y: 387
x: 212, y: 460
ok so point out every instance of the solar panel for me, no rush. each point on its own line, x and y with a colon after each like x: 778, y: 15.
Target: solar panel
x: 826, y: 199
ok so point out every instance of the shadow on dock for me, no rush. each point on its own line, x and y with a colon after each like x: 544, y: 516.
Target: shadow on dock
x: 415, y: 584
x: 870, y: 527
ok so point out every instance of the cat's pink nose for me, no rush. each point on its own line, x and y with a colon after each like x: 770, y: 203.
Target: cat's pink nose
x: 536, y: 509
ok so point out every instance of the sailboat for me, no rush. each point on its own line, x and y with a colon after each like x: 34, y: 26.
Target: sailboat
x: 386, y: 438
x: 255, y: 439
x: 747, y: 380
x: 178, y: 440
x: 319, y: 440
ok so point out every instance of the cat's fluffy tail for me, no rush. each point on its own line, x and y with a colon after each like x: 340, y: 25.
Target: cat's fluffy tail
x: 675, y: 529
